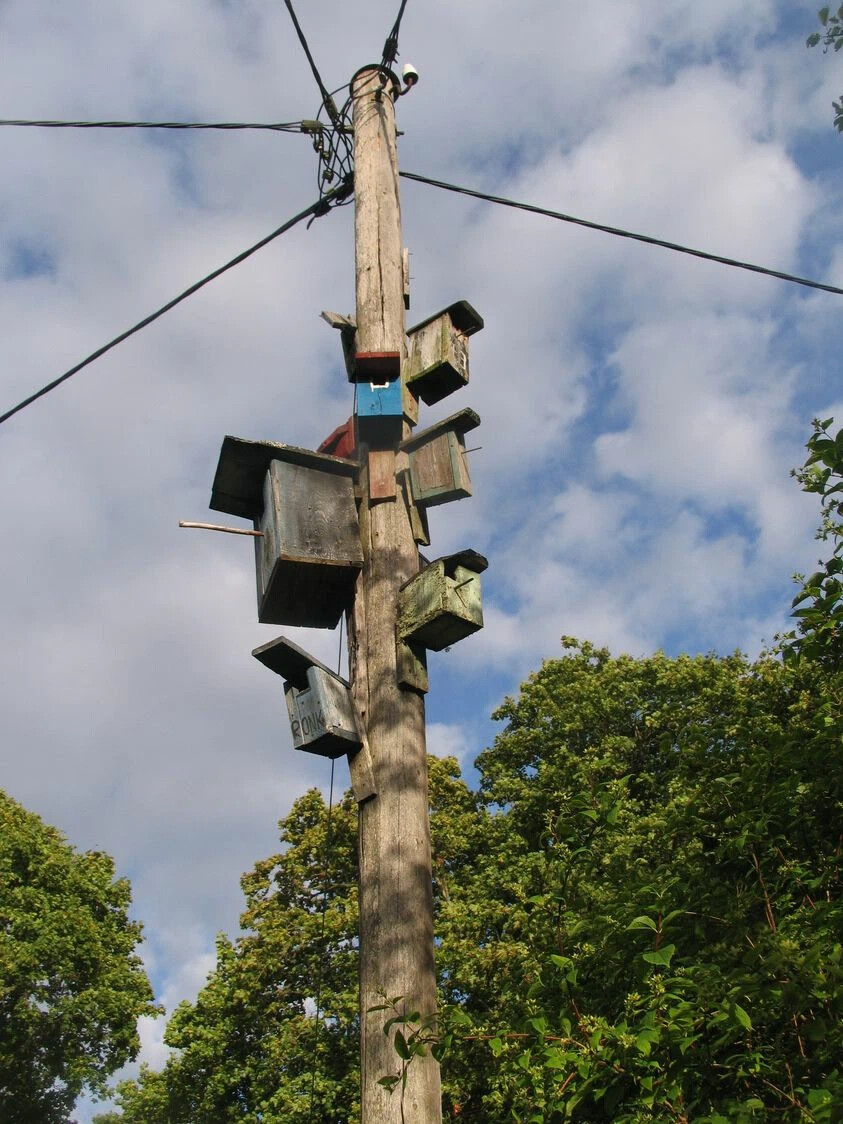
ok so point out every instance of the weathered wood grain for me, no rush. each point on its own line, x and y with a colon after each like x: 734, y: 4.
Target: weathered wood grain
x: 322, y: 715
x: 308, y: 558
x: 437, y: 610
x: 439, y: 470
x: 242, y: 466
x: 437, y: 360
x: 396, y: 902
x: 382, y: 485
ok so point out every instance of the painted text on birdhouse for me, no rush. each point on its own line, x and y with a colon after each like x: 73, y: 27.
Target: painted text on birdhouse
x: 318, y: 701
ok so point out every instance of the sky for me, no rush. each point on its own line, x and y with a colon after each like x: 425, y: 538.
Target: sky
x: 641, y: 410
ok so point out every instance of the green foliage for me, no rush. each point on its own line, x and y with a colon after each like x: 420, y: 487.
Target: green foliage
x: 656, y: 933
x: 71, y: 986
x: 831, y: 37
x: 819, y: 604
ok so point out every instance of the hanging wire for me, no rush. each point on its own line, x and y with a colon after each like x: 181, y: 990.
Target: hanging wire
x: 735, y: 263
x: 277, y: 127
x: 327, y: 100
x: 321, y: 207
x: 335, y: 149
x: 390, y: 47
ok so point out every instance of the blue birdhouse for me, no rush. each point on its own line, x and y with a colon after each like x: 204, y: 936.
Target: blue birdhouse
x: 380, y: 412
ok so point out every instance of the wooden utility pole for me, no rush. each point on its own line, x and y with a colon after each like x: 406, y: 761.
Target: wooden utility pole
x: 396, y: 887
x: 340, y: 533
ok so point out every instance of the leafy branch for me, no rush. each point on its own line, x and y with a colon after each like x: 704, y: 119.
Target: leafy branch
x: 831, y: 37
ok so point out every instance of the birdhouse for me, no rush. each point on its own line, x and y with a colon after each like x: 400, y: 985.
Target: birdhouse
x: 309, y: 554
x: 318, y: 701
x: 437, y: 354
x: 380, y: 412
x: 437, y: 460
x: 442, y: 603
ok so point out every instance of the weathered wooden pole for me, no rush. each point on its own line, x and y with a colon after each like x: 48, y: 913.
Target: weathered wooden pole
x: 395, y: 891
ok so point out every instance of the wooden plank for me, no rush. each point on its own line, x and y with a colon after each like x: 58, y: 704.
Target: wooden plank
x: 463, y: 316
x: 462, y: 422
x: 418, y: 515
x: 290, y: 661
x: 439, y: 471
x: 412, y: 667
x: 362, y: 772
x: 382, y: 474
x: 242, y: 465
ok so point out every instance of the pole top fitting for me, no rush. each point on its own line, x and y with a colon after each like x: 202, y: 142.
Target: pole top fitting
x: 386, y: 74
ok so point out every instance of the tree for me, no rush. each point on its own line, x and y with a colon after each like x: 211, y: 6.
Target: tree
x: 654, y: 933
x: 831, y: 36
x: 71, y: 985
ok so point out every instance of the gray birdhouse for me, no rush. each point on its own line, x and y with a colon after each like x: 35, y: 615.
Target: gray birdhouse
x: 437, y: 355
x: 309, y: 554
x: 318, y: 701
x: 437, y: 460
x: 442, y: 603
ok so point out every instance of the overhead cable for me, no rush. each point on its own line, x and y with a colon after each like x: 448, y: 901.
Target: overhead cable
x: 321, y: 207
x: 624, y: 233
x: 278, y: 127
x: 327, y: 100
x: 390, y: 47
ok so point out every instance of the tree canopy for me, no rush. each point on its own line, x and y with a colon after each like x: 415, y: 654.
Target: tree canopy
x: 638, y: 910
x: 71, y: 985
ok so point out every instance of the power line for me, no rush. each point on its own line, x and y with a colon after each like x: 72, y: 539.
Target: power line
x: 625, y: 233
x: 321, y: 207
x: 327, y: 100
x: 278, y: 127
x: 390, y: 47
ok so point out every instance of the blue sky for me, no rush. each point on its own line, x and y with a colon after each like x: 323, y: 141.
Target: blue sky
x: 641, y: 410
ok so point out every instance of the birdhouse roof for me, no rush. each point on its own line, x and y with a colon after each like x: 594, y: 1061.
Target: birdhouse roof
x: 290, y: 661
x: 461, y: 422
x: 464, y: 317
x: 238, y: 481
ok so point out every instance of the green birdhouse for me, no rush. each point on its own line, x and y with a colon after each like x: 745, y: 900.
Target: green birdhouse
x: 437, y: 352
x: 442, y: 603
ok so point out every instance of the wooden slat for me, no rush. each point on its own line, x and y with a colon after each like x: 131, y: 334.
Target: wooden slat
x: 462, y: 422
x: 382, y: 474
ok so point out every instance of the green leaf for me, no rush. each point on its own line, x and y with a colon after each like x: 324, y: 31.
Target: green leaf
x: 741, y: 1016
x: 643, y: 922
x: 661, y: 956
x: 818, y: 1097
x: 401, y: 1047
